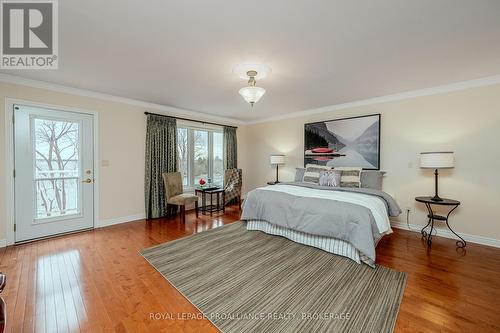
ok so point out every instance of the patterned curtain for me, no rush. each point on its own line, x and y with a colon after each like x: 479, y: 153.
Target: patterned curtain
x: 161, y: 156
x: 230, y: 148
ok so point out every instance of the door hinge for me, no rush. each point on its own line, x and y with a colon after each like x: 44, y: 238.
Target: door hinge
x: 14, y: 173
x: 13, y: 118
x: 14, y: 227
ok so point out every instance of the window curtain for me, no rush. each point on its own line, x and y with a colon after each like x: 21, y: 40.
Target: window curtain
x: 161, y: 157
x: 230, y: 148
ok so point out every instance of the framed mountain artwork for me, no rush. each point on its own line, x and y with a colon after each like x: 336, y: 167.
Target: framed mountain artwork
x: 347, y: 142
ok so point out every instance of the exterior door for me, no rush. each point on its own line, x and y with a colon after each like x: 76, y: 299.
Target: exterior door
x: 54, y: 172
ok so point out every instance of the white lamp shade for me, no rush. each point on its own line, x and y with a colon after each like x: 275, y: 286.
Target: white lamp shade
x: 252, y: 94
x: 277, y: 159
x: 437, y: 160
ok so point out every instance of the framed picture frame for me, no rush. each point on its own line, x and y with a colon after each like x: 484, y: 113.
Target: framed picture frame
x: 344, y: 142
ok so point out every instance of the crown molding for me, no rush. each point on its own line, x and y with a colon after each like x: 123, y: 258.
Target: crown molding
x: 457, y: 86
x: 485, y: 81
x: 13, y: 79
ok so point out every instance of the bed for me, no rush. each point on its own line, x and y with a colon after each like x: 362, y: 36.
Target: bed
x: 342, y: 221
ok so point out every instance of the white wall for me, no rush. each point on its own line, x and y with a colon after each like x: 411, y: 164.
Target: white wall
x: 122, y: 129
x: 467, y: 122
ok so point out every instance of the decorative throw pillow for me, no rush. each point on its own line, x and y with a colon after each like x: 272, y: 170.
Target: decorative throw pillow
x: 372, y: 179
x: 330, y: 178
x: 312, y: 173
x: 351, y: 177
x: 299, y: 174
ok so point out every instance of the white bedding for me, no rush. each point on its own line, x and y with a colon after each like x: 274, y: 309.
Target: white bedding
x: 376, y: 205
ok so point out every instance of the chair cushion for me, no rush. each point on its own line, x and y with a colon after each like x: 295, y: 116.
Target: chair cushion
x: 183, y: 199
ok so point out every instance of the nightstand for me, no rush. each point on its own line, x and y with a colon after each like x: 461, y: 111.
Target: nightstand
x: 429, y: 202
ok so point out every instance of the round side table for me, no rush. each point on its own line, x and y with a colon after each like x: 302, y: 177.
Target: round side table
x: 435, y: 217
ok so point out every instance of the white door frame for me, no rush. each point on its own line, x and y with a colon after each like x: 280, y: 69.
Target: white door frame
x: 9, y: 160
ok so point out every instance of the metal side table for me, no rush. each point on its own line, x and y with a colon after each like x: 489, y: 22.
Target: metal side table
x: 435, y: 217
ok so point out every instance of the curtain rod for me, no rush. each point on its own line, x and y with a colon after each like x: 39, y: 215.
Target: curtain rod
x: 180, y: 118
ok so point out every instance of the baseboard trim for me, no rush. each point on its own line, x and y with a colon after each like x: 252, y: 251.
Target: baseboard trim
x: 3, y: 243
x: 448, y: 234
x: 119, y: 220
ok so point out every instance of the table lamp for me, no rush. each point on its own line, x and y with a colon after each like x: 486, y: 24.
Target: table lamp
x: 277, y: 159
x: 436, y: 161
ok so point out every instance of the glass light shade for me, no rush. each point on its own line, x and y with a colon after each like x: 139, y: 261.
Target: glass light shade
x: 252, y: 94
x: 437, y: 160
x: 277, y: 159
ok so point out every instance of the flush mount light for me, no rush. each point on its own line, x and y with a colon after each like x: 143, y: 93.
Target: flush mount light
x: 252, y: 93
x: 242, y: 70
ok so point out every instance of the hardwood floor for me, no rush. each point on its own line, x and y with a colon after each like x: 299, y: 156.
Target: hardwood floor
x: 96, y: 281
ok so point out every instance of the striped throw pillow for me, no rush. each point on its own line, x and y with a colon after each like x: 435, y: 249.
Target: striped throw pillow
x: 351, y: 177
x: 311, y: 175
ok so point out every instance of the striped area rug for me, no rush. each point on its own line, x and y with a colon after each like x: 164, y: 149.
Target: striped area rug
x: 248, y: 281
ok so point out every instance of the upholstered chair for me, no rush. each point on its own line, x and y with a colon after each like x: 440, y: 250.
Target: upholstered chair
x: 232, y: 185
x: 175, y: 195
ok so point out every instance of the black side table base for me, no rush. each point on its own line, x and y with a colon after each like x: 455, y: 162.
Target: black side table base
x: 461, y: 243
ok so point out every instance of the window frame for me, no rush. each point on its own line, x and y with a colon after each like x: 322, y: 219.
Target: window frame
x: 211, y: 129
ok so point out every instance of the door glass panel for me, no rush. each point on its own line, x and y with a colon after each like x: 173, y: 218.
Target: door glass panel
x: 200, y: 156
x: 57, y: 167
x: 218, y: 165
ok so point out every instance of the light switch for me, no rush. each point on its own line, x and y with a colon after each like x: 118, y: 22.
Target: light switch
x: 105, y: 163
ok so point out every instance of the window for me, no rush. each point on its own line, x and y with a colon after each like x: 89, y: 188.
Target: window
x: 200, y: 155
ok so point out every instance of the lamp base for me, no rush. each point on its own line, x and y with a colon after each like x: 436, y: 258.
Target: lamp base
x: 436, y: 198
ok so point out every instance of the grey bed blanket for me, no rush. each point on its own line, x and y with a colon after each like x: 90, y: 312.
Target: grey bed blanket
x: 392, y: 206
x: 317, y: 216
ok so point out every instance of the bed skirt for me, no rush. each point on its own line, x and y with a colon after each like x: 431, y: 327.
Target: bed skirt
x: 328, y: 244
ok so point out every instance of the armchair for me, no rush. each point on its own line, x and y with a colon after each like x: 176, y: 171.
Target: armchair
x: 232, y: 185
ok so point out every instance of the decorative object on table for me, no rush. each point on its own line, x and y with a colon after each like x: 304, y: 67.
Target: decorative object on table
x: 276, y: 159
x: 344, y: 142
x: 350, y: 177
x: 429, y: 201
x: 252, y: 94
x: 232, y: 186
x: 330, y: 178
x: 202, y: 182
x: 175, y: 195
x: 210, y: 207
x: 436, y: 161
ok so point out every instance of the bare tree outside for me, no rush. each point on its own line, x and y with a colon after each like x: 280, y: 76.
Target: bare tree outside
x: 182, y: 152
x: 57, y: 167
x: 200, y: 155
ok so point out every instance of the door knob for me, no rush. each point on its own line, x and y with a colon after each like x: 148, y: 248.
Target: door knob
x: 88, y: 181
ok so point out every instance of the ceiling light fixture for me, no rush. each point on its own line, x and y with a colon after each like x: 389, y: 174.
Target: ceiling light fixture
x: 252, y: 94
